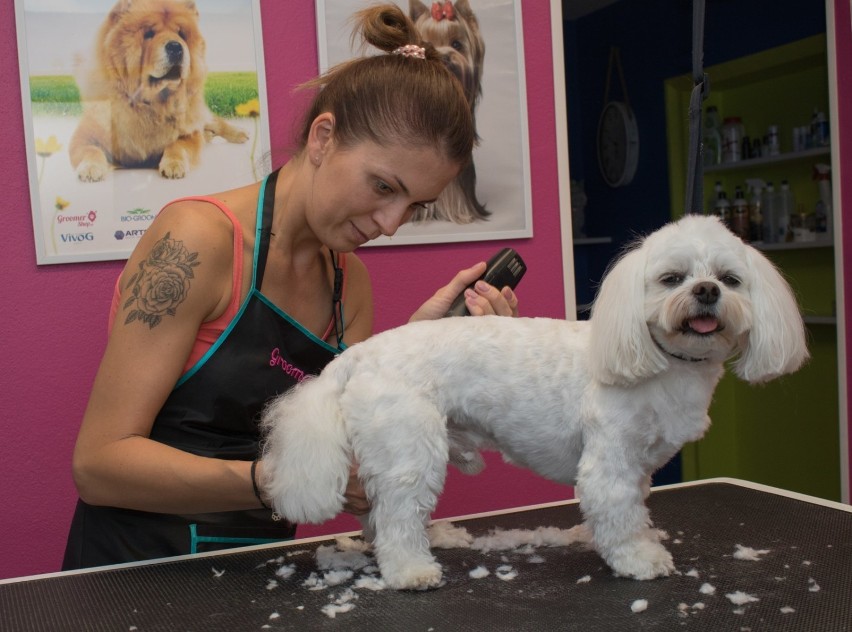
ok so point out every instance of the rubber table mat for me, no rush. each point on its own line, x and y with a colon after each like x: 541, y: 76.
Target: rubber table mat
x: 802, y: 580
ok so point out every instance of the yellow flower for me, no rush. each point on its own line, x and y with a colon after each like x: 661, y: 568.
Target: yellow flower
x: 249, y: 108
x: 61, y: 203
x: 48, y: 148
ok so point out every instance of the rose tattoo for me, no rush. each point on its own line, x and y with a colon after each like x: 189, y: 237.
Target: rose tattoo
x: 161, y: 283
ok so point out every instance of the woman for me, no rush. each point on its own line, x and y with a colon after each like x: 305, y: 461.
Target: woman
x: 231, y: 299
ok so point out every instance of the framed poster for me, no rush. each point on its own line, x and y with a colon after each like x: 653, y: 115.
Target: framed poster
x: 483, y: 41
x: 118, y: 123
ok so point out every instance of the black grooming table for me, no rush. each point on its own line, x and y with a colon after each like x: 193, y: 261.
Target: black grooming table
x: 803, y: 582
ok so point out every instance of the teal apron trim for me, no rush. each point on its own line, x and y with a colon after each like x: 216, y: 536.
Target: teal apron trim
x: 298, y: 325
x: 196, y: 539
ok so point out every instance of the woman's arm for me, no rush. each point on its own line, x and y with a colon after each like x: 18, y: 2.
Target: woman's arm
x: 178, y: 276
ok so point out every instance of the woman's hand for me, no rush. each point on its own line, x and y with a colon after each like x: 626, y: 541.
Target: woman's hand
x: 482, y: 299
x: 356, y: 498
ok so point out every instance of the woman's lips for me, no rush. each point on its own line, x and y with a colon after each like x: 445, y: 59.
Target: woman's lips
x: 360, y: 237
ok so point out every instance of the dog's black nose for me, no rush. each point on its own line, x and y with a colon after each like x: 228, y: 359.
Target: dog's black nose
x: 174, y: 51
x: 706, y: 292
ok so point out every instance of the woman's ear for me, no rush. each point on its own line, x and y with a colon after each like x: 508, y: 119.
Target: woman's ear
x: 320, y: 137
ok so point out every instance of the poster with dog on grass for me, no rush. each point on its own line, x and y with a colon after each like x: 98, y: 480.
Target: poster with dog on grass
x: 482, y: 44
x: 147, y: 102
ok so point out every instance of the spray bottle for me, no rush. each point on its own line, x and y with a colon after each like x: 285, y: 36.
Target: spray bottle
x: 754, y: 188
x: 823, y: 211
x: 770, y: 220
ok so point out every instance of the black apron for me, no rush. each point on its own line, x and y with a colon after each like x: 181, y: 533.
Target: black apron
x: 213, y: 411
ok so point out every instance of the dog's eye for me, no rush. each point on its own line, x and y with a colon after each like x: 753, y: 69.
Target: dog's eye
x: 672, y: 279
x: 730, y: 280
x: 182, y: 35
x: 458, y: 45
x: 149, y: 34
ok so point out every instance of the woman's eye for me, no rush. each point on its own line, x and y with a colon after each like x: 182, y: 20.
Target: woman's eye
x: 382, y: 187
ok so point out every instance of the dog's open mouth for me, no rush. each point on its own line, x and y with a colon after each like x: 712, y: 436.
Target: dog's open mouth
x: 174, y: 74
x: 702, y: 325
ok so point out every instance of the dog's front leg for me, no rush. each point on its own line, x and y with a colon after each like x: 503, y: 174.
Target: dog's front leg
x: 181, y: 155
x: 612, y: 490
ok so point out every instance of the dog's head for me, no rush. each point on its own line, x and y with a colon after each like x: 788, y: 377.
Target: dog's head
x: 694, y: 292
x: 452, y: 28
x: 153, y: 48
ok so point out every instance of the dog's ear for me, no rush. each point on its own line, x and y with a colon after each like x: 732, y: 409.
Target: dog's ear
x: 776, y: 344
x: 416, y: 9
x: 621, y: 350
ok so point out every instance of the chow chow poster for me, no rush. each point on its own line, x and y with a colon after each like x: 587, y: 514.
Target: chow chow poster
x: 482, y: 41
x: 146, y: 102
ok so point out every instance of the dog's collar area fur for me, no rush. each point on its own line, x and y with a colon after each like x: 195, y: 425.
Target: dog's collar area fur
x: 677, y: 356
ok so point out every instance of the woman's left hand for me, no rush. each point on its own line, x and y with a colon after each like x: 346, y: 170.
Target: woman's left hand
x: 480, y: 300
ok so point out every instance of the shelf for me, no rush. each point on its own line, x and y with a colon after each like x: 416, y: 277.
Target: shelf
x: 794, y: 245
x: 591, y: 241
x: 820, y: 320
x: 769, y: 160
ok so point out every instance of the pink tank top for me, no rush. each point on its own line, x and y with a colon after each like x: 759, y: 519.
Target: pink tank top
x: 210, y: 331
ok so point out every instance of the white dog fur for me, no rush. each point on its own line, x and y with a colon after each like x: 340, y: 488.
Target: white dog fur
x: 601, y: 404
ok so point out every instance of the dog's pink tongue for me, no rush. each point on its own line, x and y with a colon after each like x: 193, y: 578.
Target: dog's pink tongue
x: 704, y: 325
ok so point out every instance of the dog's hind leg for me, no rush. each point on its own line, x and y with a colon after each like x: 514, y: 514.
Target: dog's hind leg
x: 401, y: 448
x: 220, y: 127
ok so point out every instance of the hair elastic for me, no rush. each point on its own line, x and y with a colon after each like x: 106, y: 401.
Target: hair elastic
x: 254, y: 486
x: 410, y: 50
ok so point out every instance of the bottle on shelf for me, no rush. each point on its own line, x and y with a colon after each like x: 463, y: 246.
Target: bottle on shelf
x: 732, y: 139
x: 711, y: 202
x: 739, y: 215
x: 770, y: 220
x: 754, y: 188
x: 786, y: 207
x: 819, y: 130
x: 722, y: 206
x: 774, y: 142
x: 823, y: 216
x: 712, y: 137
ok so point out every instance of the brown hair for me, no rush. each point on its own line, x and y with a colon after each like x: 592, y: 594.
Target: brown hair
x: 394, y: 98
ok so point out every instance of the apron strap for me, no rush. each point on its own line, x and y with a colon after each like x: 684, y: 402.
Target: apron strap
x: 265, y: 209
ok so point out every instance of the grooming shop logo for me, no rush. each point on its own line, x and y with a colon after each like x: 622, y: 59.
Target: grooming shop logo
x: 85, y: 221
x: 135, y: 223
x: 276, y: 360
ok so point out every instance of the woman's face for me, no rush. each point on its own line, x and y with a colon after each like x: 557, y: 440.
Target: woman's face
x: 368, y: 190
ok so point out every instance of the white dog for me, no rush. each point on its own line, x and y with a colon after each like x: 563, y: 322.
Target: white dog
x: 601, y: 404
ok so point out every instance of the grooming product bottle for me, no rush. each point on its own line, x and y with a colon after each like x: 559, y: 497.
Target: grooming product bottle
x: 774, y: 143
x: 824, y: 218
x: 712, y: 137
x: 722, y: 207
x: 732, y: 139
x: 786, y: 207
x: 754, y: 188
x: 739, y: 215
x: 770, y: 220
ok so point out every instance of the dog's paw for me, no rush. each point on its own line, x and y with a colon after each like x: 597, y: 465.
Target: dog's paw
x: 643, y: 559
x: 173, y: 168
x: 413, y: 576
x: 91, y: 171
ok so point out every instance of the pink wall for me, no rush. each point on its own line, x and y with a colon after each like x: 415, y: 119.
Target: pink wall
x: 843, y: 45
x: 54, y: 317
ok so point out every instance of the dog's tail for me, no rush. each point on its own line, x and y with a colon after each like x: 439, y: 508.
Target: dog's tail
x: 306, y: 454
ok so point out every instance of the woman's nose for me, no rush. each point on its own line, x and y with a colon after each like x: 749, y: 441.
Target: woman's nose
x: 390, y: 218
